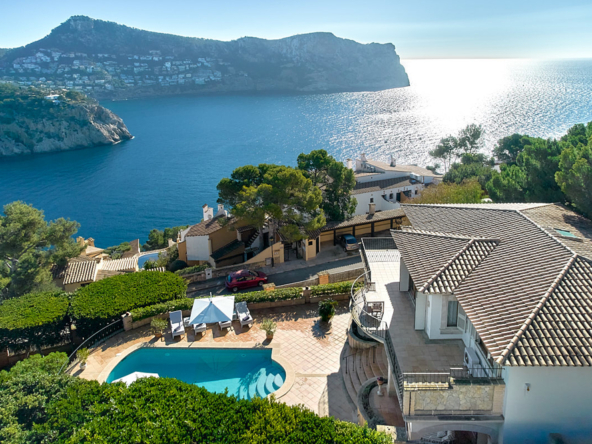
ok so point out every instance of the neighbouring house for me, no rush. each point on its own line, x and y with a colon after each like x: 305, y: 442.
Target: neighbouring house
x: 485, y: 315
x: 90, y: 251
x: 381, y: 186
x: 82, y: 271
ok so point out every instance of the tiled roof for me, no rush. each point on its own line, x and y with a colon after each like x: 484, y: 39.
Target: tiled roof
x: 364, y: 219
x: 80, y: 271
x: 560, y: 331
x: 506, y: 289
x: 58, y: 271
x: 161, y: 269
x: 378, y: 185
x: 223, y: 251
x: 206, y: 227
x: 454, y: 271
x: 402, y: 168
x: 125, y: 264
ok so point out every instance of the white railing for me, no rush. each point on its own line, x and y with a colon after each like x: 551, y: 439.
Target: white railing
x: 369, y: 324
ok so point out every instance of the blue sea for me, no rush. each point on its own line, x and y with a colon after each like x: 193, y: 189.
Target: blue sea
x: 184, y: 145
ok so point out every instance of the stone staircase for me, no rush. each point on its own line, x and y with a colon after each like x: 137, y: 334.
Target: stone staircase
x: 252, y: 239
x: 358, y: 365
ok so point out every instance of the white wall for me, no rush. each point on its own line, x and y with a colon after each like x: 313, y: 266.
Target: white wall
x: 435, y: 324
x: 198, y: 248
x: 381, y: 204
x: 382, y: 176
x: 404, y: 282
x: 559, y: 401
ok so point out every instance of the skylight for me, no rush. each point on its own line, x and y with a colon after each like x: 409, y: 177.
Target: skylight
x: 565, y: 233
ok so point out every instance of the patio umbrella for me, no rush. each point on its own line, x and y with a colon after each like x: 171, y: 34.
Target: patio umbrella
x: 132, y: 377
x: 211, y: 310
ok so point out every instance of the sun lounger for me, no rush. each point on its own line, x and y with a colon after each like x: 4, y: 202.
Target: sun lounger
x: 177, y: 325
x: 199, y: 328
x: 244, y: 316
x: 225, y: 324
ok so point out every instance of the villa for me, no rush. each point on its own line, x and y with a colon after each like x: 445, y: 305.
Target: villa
x: 485, y: 316
x: 381, y: 186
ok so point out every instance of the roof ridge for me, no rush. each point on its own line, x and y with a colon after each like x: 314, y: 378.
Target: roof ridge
x: 410, y: 229
x: 535, y: 311
x: 545, y: 231
x: 451, y: 261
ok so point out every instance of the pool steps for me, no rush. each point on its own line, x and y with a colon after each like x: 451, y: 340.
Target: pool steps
x: 278, y: 381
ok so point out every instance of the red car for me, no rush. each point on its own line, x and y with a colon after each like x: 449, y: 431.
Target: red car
x: 244, y: 279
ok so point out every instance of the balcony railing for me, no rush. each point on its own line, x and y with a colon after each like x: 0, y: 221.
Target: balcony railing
x: 370, y: 324
x: 460, y: 373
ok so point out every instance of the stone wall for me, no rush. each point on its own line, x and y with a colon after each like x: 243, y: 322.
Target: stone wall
x: 459, y: 398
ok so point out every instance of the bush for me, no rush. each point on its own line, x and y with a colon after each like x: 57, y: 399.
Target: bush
x: 102, y: 302
x: 280, y: 294
x: 33, y: 320
x: 327, y: 309
x: 177, y: 265
x: 192, y: 270
x: 142, y: 413
x: 152, y: 310
x: 332, y: 289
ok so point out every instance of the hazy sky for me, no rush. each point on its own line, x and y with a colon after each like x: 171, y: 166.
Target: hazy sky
x: 418, y: 28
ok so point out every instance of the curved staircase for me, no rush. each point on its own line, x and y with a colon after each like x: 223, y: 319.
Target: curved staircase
x: 359, y: 365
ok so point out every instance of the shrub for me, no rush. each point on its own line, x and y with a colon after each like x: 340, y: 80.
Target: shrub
x: 158, y: 325
x: 327, y: 309
x: 177, y: 265
x: 332, y: 289
x: 102, y: 302
x: 33, y: 320
x: 192, y: 270
x: 280, y: 294
x: 268, y: 326
x: 152, y: 310
x: 142, y: 413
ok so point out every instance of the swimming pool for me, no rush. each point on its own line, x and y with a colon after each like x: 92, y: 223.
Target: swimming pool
x: 244, y: 372
x: 145, y: 258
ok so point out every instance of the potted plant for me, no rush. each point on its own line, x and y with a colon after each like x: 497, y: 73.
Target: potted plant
x: 269, y: 327
x: 327, y: 309
x: 82, y: 356
x: 158, y: 326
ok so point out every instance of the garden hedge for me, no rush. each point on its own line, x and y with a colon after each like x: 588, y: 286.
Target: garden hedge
x: 192, y: 270
x: 102, y: 302
x: 143, y: 412
x: 34, y: 320
x: 331, y: 289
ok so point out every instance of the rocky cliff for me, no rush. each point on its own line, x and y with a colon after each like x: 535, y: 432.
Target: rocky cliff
x: 107, y: 60
x: 30, y: 123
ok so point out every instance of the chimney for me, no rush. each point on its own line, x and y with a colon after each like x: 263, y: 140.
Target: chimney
x: 363, y: 157
x: 393, y: 161
x: 208, y: 213
x: 80, y: 240
x: 350, y: 165
x: 90, y: 242
x: 221, y: 211
x: 371, y: 208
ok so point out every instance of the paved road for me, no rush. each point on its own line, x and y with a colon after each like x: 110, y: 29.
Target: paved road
x: 301, y: 274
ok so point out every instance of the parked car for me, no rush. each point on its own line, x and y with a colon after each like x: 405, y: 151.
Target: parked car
x: 244, y: 279
x: 349, y: 242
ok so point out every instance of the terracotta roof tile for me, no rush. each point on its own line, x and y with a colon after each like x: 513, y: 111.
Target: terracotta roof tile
x: 80, y: 271
x: 378, y: 185
x: 206, y: 227
x: 125, y: 264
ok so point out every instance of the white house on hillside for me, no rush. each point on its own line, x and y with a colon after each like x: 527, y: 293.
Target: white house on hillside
x: 382, y: 185
x: 487, y: 321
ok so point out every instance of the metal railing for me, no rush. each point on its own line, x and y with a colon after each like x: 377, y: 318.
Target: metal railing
x: 378, y: 243
x: 460, y: 373
x: 370, y: 324
x: 94, y: 339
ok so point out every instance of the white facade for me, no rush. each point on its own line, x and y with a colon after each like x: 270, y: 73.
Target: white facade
x: 384, y: 200
x: 198, y: 248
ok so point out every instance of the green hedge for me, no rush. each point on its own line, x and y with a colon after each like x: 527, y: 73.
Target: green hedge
x: 35, y: 319
x: 331, y: 289
x: 89, y: 411
x: 104, y: 301
x: 194, y: 269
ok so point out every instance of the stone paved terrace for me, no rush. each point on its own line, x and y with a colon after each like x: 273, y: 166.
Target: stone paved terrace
x: 415, y: 352
x: 312, y: 348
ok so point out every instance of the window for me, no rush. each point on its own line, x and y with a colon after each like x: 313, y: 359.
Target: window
x: 371, y: 200
x: 462, y: 319
x: 391, y: 196
x: 310, y: 243
x: 416, y: 192
x: 452, y: 319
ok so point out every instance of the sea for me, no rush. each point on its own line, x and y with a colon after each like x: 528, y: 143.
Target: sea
x: 184, y: 145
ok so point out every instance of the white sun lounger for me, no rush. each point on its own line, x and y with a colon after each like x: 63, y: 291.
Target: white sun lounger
x: 244, y: 316
x: 199, y: 328
x: 177, y: 325
x: 225, y: 324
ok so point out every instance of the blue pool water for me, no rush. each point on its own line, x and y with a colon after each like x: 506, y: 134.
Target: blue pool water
x: 246, y: 373
x: 145, y: 258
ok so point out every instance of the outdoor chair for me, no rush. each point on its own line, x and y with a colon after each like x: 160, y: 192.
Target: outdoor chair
x: 225, y: 324
x: 177, y: 324
x: 199, y: 328
x: 244, y: 316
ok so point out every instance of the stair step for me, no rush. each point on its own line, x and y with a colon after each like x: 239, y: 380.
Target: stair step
x: 252, y: 390
x: 382, y: 361
x: 261, y: 387
x: 351, y: 391
x: 278, y: 381
x: 269, y: 383
x: 367, y: 359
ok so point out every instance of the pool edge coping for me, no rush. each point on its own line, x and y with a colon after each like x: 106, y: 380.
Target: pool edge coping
x: 275, y: 356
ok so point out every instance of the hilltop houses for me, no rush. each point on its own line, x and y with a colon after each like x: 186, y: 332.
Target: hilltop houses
x: 382, y: 186
x: 486, y: 320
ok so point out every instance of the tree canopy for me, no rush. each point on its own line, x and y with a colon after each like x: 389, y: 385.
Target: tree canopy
x: 468, y: 141
x: 160, y: 239
x: 335, y: 181
x: 257, y: 194
x: 29, y: 246
x: 468, y: 191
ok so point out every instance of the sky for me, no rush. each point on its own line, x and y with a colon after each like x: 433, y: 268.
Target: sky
x: 418, y: 28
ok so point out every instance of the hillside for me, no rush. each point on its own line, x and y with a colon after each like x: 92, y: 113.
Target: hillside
x: 108, y: 60
x: 32, y: 123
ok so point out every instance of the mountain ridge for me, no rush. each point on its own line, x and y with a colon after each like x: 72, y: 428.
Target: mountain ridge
x: 106, y: 59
